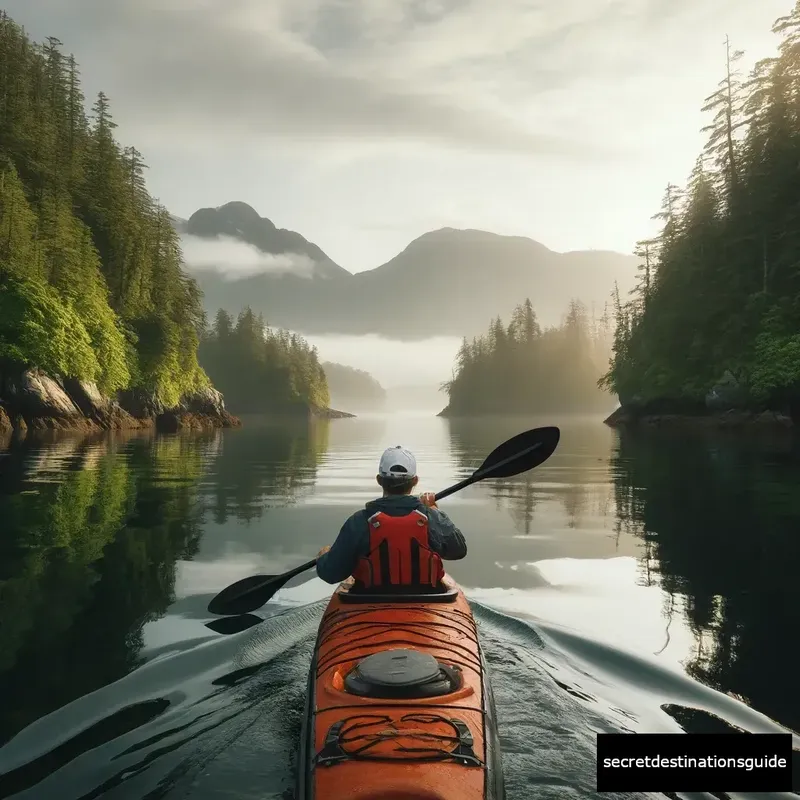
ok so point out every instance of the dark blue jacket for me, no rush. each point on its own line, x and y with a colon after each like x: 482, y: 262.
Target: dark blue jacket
x: 352, y: 543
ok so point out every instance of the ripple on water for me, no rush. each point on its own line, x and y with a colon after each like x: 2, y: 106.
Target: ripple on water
x: 226, y: 713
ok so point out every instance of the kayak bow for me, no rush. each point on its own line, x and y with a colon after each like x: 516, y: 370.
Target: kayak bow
x: 399, y: 705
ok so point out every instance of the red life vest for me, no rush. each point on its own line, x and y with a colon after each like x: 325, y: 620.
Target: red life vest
x: 399, y: 553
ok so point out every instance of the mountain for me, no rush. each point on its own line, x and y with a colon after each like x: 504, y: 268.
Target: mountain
x: 456, y: 281
x: 181, y: 225
x: 240, y: 221
x: 445, y: 283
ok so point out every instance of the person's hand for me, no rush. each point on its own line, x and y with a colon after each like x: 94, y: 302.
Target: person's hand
x: 428, y: 499
x: 324, y: 550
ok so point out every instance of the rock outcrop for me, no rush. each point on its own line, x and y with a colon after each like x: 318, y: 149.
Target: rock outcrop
x: 204, y: 409
x: 729, y: 419
x: 329, y: 413
x: 30, y: 399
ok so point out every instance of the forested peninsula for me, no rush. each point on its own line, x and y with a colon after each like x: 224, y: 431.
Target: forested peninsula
x: 264, y: 370
x: 100, y: 325
x: 713, y: 331
x: 522, y: 368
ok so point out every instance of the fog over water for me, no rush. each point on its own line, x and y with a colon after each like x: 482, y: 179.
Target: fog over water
x: 392, y: 362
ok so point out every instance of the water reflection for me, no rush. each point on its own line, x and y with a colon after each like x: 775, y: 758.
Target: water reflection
x: 714, y: 521
x: 267, y: 465
x: 91, y: 534
x: 96, y: 531
x: 719, y: 520
x: 576, y: 475
x: 629, y: 558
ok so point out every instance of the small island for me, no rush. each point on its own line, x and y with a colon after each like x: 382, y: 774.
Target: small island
x: 521, y: 368
x: 711, y: 336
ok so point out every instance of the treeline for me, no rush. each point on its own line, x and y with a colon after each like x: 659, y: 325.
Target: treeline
x: 520, y: 368
x: 717, y: 307
x: 91, y: 279
x: 258, y: 369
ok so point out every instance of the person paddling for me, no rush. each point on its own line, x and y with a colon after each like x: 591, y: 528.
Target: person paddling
x: 397, y: 541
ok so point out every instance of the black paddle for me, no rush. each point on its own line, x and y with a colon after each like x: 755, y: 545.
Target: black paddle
x: 519, y: 454
x: 229, y: 625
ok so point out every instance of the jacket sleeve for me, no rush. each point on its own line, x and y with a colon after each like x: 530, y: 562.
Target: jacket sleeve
x: 351, y: 544
x: 445, y: 538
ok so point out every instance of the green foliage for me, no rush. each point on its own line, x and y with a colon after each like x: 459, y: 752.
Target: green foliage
x: 777, y: 365
x: 75, y: 215
x: 722, y: 279
x: 522, y: 369
x: 259, y: 369
x: 39, y: 328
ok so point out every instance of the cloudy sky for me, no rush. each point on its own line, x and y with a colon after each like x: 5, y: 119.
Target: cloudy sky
x: 364, y: 123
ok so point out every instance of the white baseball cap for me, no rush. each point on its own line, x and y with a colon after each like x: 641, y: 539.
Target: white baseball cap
x: 397, y: 462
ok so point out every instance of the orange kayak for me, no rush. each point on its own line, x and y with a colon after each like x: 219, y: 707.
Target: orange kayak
x: 399, y: 706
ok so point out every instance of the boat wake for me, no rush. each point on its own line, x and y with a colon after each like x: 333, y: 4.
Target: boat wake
x: 220, y: 718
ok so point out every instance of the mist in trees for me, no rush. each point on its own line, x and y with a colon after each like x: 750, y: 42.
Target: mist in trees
x: 91, y: 278
x: 259, y: 369
x: 521, y: 368
x: 353, y: 389
x: 718, y: 298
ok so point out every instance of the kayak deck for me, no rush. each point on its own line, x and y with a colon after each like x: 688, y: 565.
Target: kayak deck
x: 398, y: 703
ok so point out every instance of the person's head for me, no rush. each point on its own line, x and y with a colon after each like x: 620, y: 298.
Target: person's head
x: 397, y: 471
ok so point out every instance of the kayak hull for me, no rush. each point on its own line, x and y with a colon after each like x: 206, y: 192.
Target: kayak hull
x: 368, y: 733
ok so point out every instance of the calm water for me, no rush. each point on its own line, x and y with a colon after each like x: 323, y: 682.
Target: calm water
x: 638, y: 584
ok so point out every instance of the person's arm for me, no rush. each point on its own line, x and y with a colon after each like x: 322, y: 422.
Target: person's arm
x: 340, y: 561
x: 445, y: 538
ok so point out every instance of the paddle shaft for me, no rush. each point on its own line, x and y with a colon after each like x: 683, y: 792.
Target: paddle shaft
x: 237, y: 599
x: 474, y: 478
x: 297, y: 570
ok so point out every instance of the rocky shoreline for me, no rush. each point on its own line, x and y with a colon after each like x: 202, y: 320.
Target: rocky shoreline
x: 731, y: 419
x: 31, y: 401
x: 329, y: 413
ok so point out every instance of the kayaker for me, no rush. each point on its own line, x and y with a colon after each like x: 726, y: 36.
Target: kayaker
x: 398, y: 540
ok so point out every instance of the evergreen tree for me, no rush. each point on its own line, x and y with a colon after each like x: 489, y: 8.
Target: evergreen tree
x: 262, y: 370
x: 522, y: 369
x: 722, y: 282
x: 76, y: 217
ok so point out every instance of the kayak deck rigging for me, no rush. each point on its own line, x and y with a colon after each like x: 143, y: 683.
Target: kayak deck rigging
x: 398, y: 704
x: 370, y: 731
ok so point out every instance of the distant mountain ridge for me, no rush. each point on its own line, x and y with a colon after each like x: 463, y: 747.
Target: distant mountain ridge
x: 240, y: 221
x: 447, y: 282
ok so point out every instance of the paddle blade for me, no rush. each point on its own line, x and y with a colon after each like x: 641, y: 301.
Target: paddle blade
x: 229, y: 625
x: 246, y: 595
x: 520, y: 453
x: 251, y: 593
